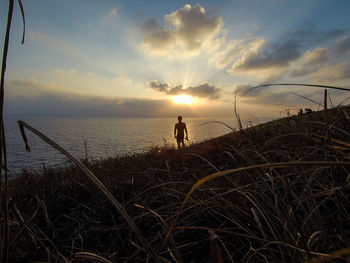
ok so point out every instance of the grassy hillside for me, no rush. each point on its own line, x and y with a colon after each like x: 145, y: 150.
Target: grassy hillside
x: 295, y: 212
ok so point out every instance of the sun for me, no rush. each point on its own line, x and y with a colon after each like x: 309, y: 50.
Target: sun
x: 183, y: 99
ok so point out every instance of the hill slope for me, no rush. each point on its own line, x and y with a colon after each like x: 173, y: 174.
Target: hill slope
x: 272, y: 214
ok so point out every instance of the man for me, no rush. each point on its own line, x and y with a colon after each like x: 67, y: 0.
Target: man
x: 179, y: 130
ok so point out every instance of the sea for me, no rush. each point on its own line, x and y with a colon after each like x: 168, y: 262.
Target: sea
x: 96, y: 138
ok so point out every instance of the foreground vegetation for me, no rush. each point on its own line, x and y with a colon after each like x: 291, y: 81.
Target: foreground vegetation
x: 295, y: 212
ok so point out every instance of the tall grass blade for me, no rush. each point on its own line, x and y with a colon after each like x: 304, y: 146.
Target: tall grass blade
x: 231, y: 171
x: 6, y: 212
x: 4, y: 56
x: 319, y: 104
x: 4, y: 230
x: 334, y: 255
x: 239, y: 124
x: 24, y: 224
x: 295, y: 84
x: 220, y: 122
x: 205, y: 160
x: 88, y: 256
x: 23, y: 19
x: 341, y: 103
x: 215, y: 253
x: 164, y: 225
x: 97, y: 182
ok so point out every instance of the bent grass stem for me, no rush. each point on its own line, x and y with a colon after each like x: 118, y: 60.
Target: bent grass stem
x: 96, y: 181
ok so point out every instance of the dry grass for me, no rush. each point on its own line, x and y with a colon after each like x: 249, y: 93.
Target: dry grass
x: 267, y: 213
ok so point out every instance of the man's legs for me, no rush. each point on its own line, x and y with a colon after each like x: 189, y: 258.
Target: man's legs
x: 179, y: 141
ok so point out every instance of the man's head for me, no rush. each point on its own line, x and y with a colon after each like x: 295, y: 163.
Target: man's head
x: 179, y: 118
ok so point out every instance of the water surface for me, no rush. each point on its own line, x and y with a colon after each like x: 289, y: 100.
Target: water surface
x: 98, y: 137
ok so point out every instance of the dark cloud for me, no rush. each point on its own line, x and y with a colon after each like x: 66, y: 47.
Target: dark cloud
x: 309, y: 34
x: 204, y: 91
x: 277, y: 55
x: 178, y: 90
x: 284, y: 100
x: 288, y: 48
x: 157, y: 38
x: 201, y: 91
x: 156, y: 85
x: 276, y: 96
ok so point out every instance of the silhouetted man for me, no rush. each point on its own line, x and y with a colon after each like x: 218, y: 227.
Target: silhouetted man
x: 180, y: 128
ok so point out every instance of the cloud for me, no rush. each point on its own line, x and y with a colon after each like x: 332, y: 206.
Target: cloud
x: 309, y: 34
x: 188, y: 30
x: 61, y: 72
x: 300, y: 71
x: 35, y: 98
x: 123, y: 81
x: 79, y: 83
x: 156, y: 85
x: 310, y: 62
x: 64, y: 104
x: 241, y: 89
x: 315, y: 57
x: 31, y: 97
x: 112, y: 13
x: 248, y: 91
x: 276, y: 55
x: 58, y: 45
x: 31, y: 83
x: 315, y: 64
x: 289, y: 48
x: 277, y: 97
x: 235, y: 50
x: 342, y: 47
x: 336, y: 72
x: 29, y: 87
x: 201, y: 91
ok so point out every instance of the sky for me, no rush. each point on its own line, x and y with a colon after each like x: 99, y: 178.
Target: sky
x: 166, y: 58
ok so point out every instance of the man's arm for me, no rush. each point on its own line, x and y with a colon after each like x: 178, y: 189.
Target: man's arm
x: 175, y: 131
x: 186, y: 132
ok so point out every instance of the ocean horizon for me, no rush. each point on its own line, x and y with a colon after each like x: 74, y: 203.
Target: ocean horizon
x: 98, y: 137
